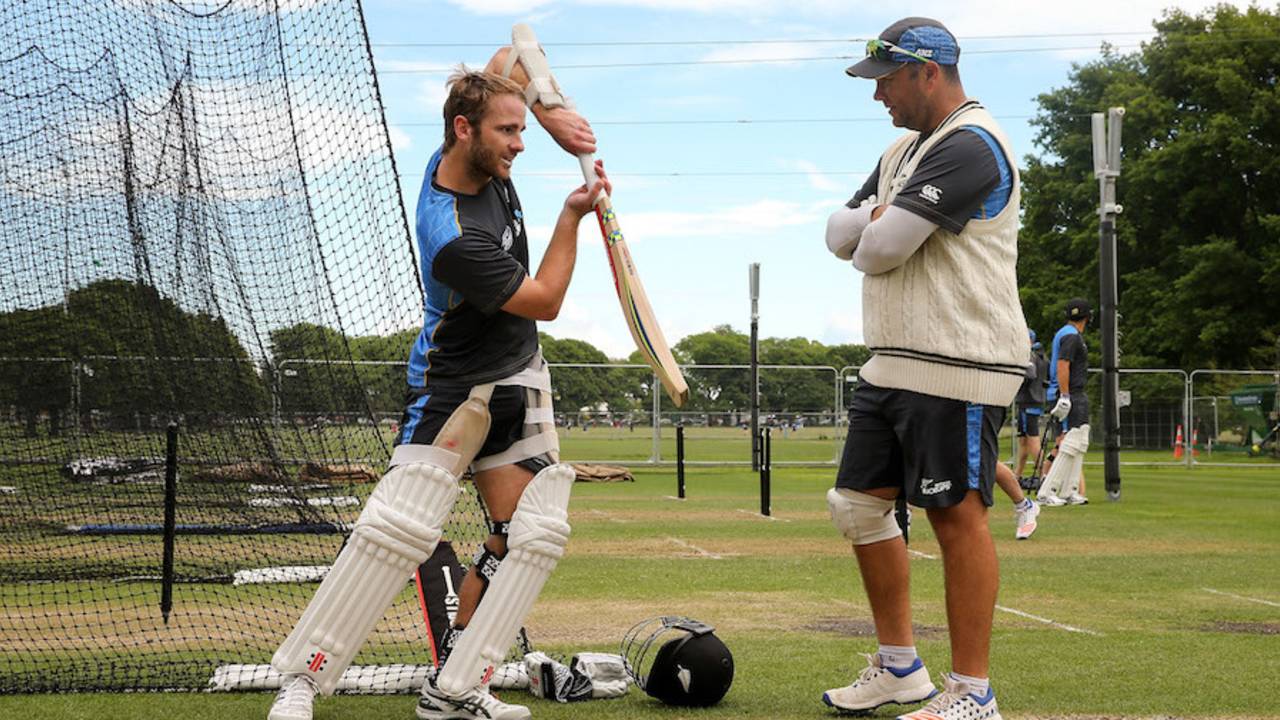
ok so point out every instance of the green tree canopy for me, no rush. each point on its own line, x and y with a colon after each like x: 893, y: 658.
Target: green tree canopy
x: 129, y: 352
x: 1199, y: 238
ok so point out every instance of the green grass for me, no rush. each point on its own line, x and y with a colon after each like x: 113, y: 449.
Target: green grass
x: 1139, y: 573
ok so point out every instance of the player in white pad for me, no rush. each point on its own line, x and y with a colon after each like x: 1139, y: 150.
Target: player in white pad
x: 1068, y: 368
x: 481, y: 303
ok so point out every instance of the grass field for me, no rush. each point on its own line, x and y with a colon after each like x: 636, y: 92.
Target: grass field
x: 1177, y: 590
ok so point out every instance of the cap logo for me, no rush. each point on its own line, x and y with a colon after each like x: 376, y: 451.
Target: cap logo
x: 925, y: 52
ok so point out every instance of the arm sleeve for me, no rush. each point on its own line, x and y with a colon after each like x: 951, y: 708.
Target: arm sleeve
x: 952, y: 181
x: 867, y: 190
x: 844, y: 229
x: 479, y: 269
x: 889, y: 241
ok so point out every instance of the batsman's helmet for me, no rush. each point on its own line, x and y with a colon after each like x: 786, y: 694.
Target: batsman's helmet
x: 678, y: 660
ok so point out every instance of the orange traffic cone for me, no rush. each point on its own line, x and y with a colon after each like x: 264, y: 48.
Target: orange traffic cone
x: 1177, y: 444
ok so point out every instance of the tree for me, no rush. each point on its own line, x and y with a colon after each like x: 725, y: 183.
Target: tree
x: 131, y: 356
x: 1199, y: 239
x: 714, y: 388
x: 577, y: 387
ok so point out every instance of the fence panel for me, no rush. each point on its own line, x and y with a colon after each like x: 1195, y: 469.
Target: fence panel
x: 1234, y: 417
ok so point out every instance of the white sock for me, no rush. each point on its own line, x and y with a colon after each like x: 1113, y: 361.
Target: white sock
x: 897, y: 656
x: 977, y: 686
x: 1025, y: 504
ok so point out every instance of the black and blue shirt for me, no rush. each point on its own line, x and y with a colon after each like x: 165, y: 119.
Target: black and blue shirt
x: 965, y: 176
x: 474, y: 255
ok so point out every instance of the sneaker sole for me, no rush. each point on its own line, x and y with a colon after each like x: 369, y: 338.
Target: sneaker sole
x: 868, y: 710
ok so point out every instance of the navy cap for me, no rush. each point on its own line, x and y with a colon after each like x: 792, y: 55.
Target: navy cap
x: 924, y: 37
x: 1079, y: 309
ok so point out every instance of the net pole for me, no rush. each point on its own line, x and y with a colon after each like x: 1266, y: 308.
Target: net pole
x: 170, y: 519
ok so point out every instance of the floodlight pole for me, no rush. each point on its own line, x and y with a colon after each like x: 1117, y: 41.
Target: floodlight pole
x: 1106, y: 167
x: 754, y: 390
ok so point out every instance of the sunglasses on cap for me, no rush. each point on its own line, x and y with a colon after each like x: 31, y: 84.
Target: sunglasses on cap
x: 883, y: 50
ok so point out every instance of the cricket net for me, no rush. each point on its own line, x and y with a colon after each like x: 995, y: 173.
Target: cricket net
x: 190, y: 193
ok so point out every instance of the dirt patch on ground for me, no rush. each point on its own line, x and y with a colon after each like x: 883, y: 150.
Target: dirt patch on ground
x: 1243, y: 628
x: 676, y: 545
x: 862, y: 628
x: 604, y: 621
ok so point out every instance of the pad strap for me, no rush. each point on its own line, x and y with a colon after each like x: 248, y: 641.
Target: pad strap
x: 487, y: 563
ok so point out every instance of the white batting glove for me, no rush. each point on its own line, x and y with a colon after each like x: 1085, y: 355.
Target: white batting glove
x: 1062, y: 408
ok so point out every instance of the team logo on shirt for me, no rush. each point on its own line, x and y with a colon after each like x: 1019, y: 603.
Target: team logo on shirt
x: 507, y: 238
x: 932, y: 193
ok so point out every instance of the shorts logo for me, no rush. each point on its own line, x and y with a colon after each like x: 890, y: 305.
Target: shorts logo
x: 932, y: 193
x: 929, y: 486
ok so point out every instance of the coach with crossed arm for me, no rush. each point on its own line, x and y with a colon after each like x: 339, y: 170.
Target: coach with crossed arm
x: 935, y: 231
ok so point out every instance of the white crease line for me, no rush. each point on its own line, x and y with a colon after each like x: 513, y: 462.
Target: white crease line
x: 1241, y: 597
x: 762, y: 517
x: 695, y: 548
x: 1047, y: 621
x: 924, y: 555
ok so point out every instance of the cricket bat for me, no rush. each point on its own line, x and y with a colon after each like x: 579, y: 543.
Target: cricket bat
x: 626, y: 280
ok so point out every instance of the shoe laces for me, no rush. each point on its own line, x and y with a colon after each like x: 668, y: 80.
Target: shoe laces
x: 873, y: 668
x: 953, y: 691
x: 297, y: 691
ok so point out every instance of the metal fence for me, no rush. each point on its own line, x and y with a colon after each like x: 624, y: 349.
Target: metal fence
x: 606, y: 412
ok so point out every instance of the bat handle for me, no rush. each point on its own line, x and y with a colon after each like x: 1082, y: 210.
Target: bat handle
x: 588, y: 163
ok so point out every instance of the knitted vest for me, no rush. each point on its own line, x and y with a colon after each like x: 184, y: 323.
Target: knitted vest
x: 948, y: 321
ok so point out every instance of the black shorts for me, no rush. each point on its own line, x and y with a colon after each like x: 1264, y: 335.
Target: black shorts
x: 427, y: 409
x: 935, y: 449
x: 1029, y: 420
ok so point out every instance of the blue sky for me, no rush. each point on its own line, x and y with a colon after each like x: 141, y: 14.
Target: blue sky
x: 718, y: 163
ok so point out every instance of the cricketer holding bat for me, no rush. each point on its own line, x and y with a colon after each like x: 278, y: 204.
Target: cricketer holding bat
x: 935, y: 231
x: 479, y: 397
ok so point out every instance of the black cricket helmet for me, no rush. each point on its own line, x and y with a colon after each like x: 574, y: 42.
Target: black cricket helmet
x: 678, y: 660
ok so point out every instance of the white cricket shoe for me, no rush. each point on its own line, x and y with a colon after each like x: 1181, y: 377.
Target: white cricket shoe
x: 293, y: 702
x: 879, y: 685
x: 1025, y: 521
x: 474, y: 704
x: 1077, y: 499
x: 957, y: 703
x: 1050, y: 500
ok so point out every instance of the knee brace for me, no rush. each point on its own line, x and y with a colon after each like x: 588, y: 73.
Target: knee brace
x: 862, y: 518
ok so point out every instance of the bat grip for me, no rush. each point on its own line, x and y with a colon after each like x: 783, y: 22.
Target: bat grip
x: 588, y: 163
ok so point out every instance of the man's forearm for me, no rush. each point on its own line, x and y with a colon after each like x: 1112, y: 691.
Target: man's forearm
x: 556, y: 268
x: 1064, y: 377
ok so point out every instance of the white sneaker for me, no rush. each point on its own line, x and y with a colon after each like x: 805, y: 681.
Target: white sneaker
x: 957, y: 703
x: 475, y: 704
x: 1050, y: 501
x: 1077, y: 499
x: 293, y: 702
x: 1025, y: 521
x: 879, y: 685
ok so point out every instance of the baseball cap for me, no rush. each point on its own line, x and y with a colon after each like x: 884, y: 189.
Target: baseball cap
x: 1035, y: 344
x: 1079, y: 309
x: 913, y: 39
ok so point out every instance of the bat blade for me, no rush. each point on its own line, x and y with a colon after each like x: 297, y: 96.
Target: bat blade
x: 644, y: 327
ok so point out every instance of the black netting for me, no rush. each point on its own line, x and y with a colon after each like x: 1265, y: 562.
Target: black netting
x: 200, y: 223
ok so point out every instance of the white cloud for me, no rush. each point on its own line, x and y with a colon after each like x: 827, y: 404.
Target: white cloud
x: 763, y: 217
x: 819, y: 180
x: 760, y: 51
